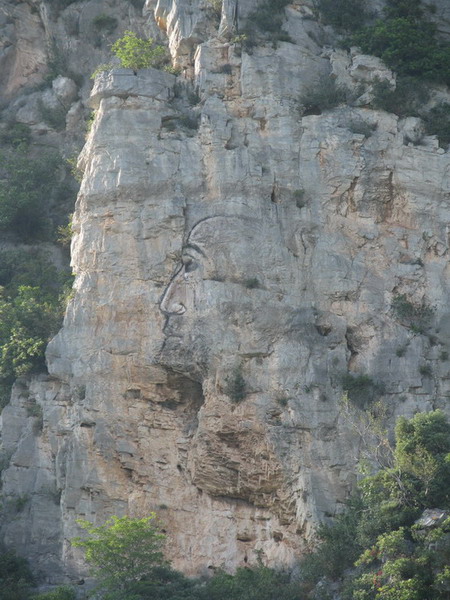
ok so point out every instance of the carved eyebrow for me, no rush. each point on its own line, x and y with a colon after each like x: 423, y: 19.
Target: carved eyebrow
x: 192, y: 246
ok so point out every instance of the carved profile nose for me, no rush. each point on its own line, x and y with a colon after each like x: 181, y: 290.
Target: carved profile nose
x: 172, y: 302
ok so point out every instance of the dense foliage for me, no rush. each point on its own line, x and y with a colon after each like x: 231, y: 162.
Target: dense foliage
x: 122, y: 552
x: 138, y: 53
x: 395, y: 558
x: 15, y: 576
x: 35, y: 196
x: 344, y: 15
x: 265, y: 22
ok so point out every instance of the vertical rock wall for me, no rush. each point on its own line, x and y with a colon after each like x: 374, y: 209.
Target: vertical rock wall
x: 234, y: 261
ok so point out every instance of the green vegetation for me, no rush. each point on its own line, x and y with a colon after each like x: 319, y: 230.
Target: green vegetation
x: 265, y: 23
x: 407, y: 98
x: 324, y: 95
x: 138, y: 4
x: 404, y: 39
x: 104, y: 22
x: 252, y: 283
x: 437, y: 122
x: 136, y: 53
x: 60, y: 593
x: 361, y: 127
x: 344, y: 15
x: 407, y: 43
x: 15, y: 576
x: 416, y: 317
x: 54, y: 117
x: 122, y: 553
x: 17, y: 135
x: 35, y: 193
x: 378, y: 548
x: 236, y: 386
x: 361, y: 390
x: 26, y: 185
x: 398, y: 560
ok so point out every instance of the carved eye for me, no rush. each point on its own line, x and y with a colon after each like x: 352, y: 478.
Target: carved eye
x: 189, y: 265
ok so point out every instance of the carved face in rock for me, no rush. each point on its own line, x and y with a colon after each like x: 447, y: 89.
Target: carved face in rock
x: 226, y: 297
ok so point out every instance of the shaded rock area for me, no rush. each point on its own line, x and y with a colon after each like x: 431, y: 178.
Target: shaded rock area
x: 234, y: 262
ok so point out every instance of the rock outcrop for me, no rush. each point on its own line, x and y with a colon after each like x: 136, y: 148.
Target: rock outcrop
x: 236, y: 264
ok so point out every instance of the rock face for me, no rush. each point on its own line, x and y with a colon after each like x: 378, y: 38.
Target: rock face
x: 235, y: 265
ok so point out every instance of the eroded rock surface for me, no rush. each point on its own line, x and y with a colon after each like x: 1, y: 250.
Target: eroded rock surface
x: 234, y: 261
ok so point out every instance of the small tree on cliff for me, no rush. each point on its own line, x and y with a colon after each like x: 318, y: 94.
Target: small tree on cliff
x: 123, y: 552
x: 136, y: 53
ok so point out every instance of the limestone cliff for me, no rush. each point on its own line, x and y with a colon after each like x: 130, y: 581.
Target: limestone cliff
x: 236, y: 263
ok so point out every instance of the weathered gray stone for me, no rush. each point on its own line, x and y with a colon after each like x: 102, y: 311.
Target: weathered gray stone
x: 227, y: 277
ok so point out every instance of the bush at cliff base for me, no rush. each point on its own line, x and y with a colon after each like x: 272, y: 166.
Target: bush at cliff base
x: 378, y: 549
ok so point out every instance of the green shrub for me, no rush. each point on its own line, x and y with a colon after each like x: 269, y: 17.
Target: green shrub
x: 416, y: 317
x: 259, y: 583
x: 17, y: 135
x: 437, y: 122
x: 60, y: 593
x: 236, y: 386
x: 265, y: 22
x: 137, y: 53
x: 32, y: 267
x: 54, y: 117
x: 15, y: 576
x: 31, y: 309
x: 406, y: 99
x: 426, y: 370
x: 409, y: 9
x: 344, y: 15
x: 105, y: 22
x: 27, y: 323
x: 123, y: 552
x: 252, y: 283
x: 27, y: 185
x: 397, y: 560
x: 407, y: 42
x: 324, y: 95
x: 138, y: 4
x: 361, y: 127
x: 361, y: 390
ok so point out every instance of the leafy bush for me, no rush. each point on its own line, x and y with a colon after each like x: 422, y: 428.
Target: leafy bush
x: 27, y: 323
x: 15, y: 576
x: 407, y: 43
x: 26, y: 187
x: 265, y: 22
x: 260, y: 583
x: 324, y: 95
x: 60, y: 593
x: 236, y: 386
x: 416, y: 317
x: 105, y: 22
x: 123, y: 552
x: 54, y: 117
x: 344, y: 15
x: 17, y: 135
x: 361, y: 389
x: 138, y: 4
x: 406, y: 99
x: 136, y: 53
x: 361, y: 127
x: 31, y: 309
x: 397, y: 559
x: 437, y: 122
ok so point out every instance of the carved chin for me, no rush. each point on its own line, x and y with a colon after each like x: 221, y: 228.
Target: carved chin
x: 187, y: 355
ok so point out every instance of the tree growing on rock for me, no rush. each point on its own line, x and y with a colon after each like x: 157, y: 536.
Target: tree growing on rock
x: 123, y: 553
x: 137, y: 53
